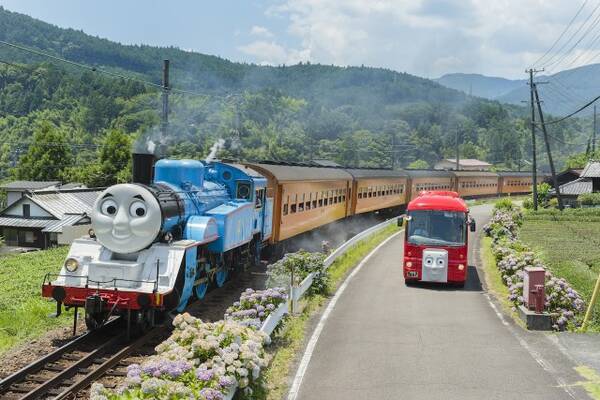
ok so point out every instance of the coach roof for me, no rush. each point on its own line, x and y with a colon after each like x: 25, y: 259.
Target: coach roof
x: 428, y: 173
x: 376, y: 173
x: 296, y: 172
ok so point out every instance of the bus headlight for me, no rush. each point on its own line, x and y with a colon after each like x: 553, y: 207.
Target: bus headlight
x: 408, y: 264
x: 71, y: 264
x: 461, y: 267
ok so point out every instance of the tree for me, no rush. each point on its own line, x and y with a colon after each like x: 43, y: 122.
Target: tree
x: 48, y: 156
x: 418, y: 164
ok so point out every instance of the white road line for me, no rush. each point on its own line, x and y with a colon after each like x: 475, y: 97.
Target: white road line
x: 310, y: 347
x: 534, y: 354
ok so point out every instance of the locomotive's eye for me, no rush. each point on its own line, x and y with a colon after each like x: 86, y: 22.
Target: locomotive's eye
x: 137, y: 209
x: 109, y: 207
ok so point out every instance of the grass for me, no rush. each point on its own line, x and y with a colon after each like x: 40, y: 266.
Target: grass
x: 592, y: 381
x: 289, y: 341
x: 23, y: 311
x: 493, y: 279
x: 570, y: 248
x: 492, y: 200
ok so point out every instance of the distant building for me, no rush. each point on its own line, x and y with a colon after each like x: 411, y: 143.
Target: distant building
x: 17, y: 189
x: 568, y: 175
x: 465, y: 164
x: 46, y: 218
x: 586, y: 180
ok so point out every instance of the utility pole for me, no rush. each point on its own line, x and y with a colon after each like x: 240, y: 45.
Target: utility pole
x: 165, y: 101
x: 594, y: 134
x: 457, y: 149
x: 554, y: 179
x: 533, y: 145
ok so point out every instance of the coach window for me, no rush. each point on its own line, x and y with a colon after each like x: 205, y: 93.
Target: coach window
x: 293, y: 206
x: 309, y: 202
x: 285, y: 205
x: 301, y: 203
x: 314, y: 202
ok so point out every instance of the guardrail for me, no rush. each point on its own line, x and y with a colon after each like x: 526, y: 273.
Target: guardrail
x: 296, y: 292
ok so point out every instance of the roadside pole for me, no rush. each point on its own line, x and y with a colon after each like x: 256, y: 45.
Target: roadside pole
x: 588, y: 313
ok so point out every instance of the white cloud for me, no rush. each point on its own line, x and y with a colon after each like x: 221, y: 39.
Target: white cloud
x: 424, y: 37
x: 257, y: 30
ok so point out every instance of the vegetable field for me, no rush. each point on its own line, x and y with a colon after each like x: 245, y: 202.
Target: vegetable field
x: 23, y: 311
x: 570, y: 247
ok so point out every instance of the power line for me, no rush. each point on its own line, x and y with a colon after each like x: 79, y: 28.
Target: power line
x: 101, y: 71
x: 562, y: 34
x: 550, y: 60
x: 556, y: 121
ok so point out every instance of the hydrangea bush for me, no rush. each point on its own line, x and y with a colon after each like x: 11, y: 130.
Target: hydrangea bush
x: 255, y: 306
x: 512, y: 257
x: 300, y: 264
x: 200, y: 360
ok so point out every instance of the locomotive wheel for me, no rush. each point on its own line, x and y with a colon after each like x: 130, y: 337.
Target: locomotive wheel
x: 200, y: 290
x: 221, y: 276
x: 95, y: 320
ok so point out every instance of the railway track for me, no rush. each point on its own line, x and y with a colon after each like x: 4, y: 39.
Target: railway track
x: 74, y: 366
x: 103, y: 355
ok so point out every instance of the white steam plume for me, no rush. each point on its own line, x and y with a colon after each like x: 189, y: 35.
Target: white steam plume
x: 215, y: 149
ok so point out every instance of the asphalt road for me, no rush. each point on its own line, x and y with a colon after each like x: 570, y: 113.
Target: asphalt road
x: 384, y: 340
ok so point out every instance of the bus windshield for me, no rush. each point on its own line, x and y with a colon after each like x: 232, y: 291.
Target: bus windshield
x: 441, y: 228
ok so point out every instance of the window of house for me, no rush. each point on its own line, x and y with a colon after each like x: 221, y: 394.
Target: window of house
x: 27, y: 211
x: 29, y: 237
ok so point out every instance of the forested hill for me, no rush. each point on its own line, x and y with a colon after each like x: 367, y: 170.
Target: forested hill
x: 197, y: 71
x: 61, y: 122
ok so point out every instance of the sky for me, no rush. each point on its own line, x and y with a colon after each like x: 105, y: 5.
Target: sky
x: 427, y: 38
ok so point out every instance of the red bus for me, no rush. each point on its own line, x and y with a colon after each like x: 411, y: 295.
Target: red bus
x: 436, y: 238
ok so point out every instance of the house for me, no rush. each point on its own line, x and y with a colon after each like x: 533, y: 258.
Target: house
x: 571, y: 190
x: 587, y: 181
x: 465, y: 164
x: 17, y: 189
x: 46, y: 218
x: 565, y: 176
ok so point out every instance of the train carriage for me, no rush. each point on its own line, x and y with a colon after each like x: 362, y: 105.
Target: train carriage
x: 305, y: 197
x: 377, y: 189
x: 471, y: 184
x: 428, y: 179
x: 515, y: 182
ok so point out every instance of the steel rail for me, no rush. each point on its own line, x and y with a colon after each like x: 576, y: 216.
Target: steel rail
x: 38, y: 364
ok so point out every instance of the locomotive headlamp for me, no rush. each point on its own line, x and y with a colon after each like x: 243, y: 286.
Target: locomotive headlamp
x: 91, y: 233
x: 71, y: 264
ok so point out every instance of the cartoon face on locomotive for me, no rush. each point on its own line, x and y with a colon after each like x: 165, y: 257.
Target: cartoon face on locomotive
x: 157, y: 242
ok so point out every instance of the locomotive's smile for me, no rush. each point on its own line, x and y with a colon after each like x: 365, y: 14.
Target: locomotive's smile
x: 126, y: 218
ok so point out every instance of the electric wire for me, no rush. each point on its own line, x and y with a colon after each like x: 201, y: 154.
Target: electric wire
x: 101, y: 71
x: 562, y: 33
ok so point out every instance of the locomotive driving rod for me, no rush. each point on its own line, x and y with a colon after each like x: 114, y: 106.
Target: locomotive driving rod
x: 588, y: 313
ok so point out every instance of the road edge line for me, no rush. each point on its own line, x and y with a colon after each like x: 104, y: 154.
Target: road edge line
x: 306, y: 357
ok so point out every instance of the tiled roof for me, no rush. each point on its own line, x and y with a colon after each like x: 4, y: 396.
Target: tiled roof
x: 60, y: 203
x: 29, y: 185
x: 67, y: 220
x: 25, y: 222
x: 591, y: 170
x: 575, y: 188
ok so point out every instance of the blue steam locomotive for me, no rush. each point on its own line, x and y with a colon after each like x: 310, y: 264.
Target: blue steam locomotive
x: 181, y: 226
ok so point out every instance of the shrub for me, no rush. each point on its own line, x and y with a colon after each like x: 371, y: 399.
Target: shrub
x: 300, y: 264
x: 552, y: 203
x: 528, y: 203
x: 589, y: 199
x: 542, y: 192
x: 505, y: 204
x: 200, y: 360
x: 255, y: 306
x: 512, y: 257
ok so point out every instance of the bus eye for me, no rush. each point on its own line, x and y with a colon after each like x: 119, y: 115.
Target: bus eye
x: 440, y: 261
x: 428, y: 261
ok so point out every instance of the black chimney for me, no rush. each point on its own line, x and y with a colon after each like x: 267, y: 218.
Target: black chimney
x: 143, y: 168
